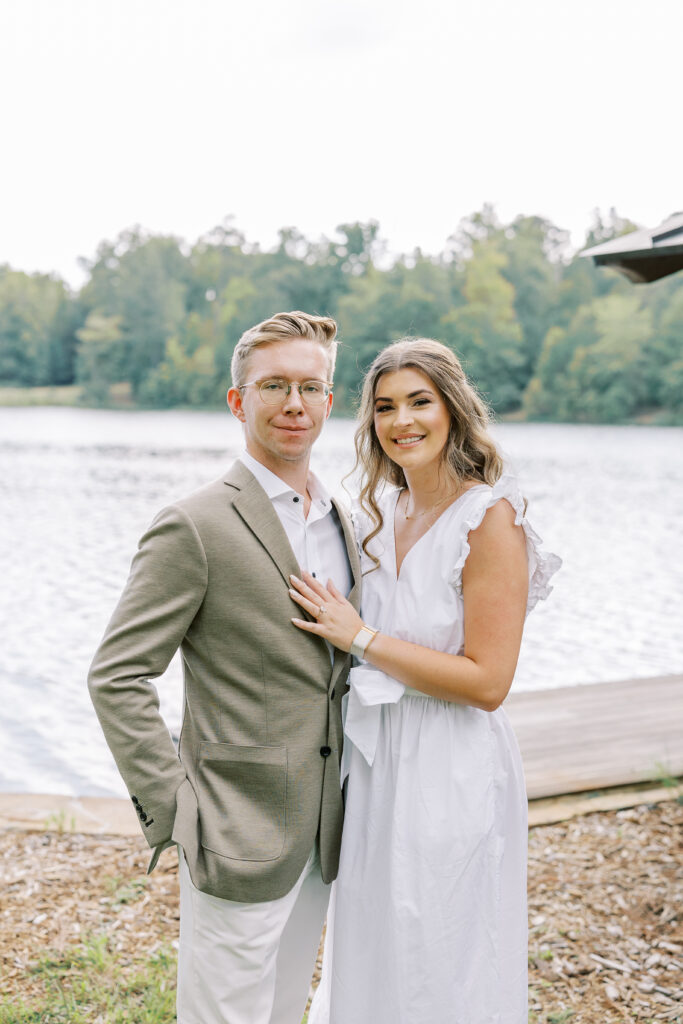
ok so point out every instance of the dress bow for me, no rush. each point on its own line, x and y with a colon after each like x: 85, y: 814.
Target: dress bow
x: 369, y: 689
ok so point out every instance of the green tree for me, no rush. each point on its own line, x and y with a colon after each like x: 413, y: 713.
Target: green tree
x: 578, y: 342
x: 99, y: 359
x: 36, y: 329
x: 410, y: 299
x: 671, y: 387
x: 195, y: 369
x: 533, y: 250
x: 664, y: 355
x: 182, y: 378
x: 605, y: 227
x: 216, y: 257
x: 592, y: 371
x: 485, y: 330
x: 143, y: 281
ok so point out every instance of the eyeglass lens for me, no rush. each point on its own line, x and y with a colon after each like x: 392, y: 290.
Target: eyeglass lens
x: 274, y: 391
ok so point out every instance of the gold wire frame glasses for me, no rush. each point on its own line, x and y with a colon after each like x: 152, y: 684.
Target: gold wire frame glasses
x: 275, y: 390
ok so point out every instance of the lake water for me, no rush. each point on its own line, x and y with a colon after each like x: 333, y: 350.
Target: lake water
x: 78, y: 487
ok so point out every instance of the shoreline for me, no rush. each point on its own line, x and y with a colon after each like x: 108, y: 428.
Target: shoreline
x: 115, y: 816
x: 585, y: 748
x: 67, y: 396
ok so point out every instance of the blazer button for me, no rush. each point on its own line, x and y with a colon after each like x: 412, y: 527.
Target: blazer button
x: 143, y: 816
x: 135, y: 800
x: 325, y: 751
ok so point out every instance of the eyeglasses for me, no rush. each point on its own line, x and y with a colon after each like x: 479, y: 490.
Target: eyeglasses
x: 275, y: 390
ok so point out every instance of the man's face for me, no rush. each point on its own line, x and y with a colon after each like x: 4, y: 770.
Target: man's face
x: 284, y: 433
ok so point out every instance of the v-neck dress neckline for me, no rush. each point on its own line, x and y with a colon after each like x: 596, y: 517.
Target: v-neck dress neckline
x: 394, y: 547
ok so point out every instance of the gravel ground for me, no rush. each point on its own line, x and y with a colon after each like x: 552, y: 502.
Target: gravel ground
x: 605, y: 902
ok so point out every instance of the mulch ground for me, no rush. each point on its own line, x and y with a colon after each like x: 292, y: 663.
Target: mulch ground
x: 605, y: 906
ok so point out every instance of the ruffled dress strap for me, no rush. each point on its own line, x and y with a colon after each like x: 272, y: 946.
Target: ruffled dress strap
x: 542, y: 564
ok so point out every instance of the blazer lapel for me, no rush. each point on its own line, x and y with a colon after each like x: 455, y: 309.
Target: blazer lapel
x: 341, y: 657
x: 256, y: 509
x: 352, y: 552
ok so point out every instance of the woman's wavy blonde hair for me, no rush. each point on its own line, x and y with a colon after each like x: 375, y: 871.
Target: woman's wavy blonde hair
x: 469, y: 454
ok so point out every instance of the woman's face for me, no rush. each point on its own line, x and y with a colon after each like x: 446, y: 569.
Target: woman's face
x: 412, y: 421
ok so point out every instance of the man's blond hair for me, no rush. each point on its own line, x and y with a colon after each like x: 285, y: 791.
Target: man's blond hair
x: 284, y: 327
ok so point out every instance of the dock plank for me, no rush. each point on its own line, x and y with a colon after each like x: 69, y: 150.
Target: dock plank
x: 579, y: 738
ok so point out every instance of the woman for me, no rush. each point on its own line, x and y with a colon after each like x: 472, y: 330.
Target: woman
x: 428, y: 924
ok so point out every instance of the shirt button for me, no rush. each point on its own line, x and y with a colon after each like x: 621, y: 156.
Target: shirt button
x: 312, y: 574
x: 295, y: 499
x: 325, y: 751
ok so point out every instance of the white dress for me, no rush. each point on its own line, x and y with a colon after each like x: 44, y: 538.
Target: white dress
x: 428, y: 917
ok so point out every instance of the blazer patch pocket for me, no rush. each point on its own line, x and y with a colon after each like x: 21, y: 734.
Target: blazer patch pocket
x: 242, y: 799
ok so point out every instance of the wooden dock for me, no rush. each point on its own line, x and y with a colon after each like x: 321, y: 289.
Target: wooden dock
x: 574, y: 740
x: 582, y: 738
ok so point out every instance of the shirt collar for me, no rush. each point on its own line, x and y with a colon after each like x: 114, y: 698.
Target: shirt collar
x: 275, y: 487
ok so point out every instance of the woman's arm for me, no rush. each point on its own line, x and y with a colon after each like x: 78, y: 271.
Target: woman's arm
x: 495, y: 584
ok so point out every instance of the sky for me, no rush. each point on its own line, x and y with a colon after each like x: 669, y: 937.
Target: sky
x: 178, y: 114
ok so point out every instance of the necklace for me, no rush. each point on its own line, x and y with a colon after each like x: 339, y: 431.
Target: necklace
x: 416, y: 515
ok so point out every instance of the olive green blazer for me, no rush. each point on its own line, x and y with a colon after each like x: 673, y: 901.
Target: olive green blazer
x: 256, y: 776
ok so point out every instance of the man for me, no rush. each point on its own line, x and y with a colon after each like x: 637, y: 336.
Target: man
x: 252, y: 799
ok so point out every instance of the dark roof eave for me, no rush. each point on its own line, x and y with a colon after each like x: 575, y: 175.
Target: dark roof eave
x: 643, y: 271
x: 636, y: 254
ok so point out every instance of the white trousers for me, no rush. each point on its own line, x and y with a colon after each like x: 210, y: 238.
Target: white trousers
x: 249, y: 963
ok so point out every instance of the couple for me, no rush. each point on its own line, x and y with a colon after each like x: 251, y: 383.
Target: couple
x: 257, y: 578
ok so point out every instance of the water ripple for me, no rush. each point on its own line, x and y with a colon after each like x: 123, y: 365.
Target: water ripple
x: 78, y: 487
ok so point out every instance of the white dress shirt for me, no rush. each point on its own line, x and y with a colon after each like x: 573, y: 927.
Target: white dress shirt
x: 317, y: 541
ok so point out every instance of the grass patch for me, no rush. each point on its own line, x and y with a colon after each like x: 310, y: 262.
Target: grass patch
x: 560, y: 1016
x: 58, y: 822
x: 122, y: 891
x: 68, y: 394
x: 669, y: 781
x: 72, y: 395
x: 94, y: 982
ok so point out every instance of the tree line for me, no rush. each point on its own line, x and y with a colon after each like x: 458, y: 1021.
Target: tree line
x: 542, y: 332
